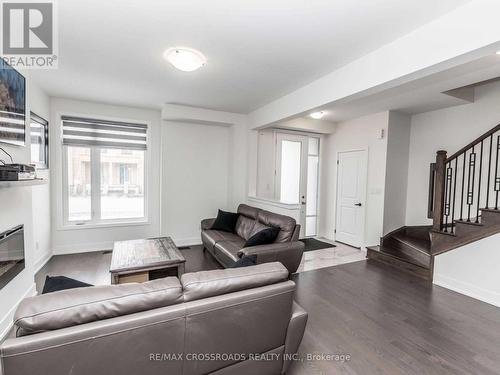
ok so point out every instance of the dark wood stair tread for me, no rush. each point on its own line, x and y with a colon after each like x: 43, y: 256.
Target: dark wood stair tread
x: 491, y: 210
x: 417, y: 243
x: 471, y: 222
x: 413, y: 248
x: 402, y: 256
x: 375, y: 253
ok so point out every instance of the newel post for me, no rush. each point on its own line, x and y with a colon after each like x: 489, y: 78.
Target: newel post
x: 439, y: 190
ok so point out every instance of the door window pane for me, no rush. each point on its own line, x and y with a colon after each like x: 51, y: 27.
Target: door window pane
x: 79, y: 182
x: 122, y: 184
x: 312, y: 185
x: 290, y: 171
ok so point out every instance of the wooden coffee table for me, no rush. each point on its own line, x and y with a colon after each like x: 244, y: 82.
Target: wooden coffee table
x: 143, y: 260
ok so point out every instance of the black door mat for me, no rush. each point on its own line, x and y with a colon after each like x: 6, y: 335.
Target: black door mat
x: 314, y: 244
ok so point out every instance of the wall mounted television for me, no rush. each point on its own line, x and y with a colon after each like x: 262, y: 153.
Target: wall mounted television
x: 12, y: 105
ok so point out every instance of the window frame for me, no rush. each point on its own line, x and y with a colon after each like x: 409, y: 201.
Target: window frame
x: 95, y: 170
x: 45, y: 124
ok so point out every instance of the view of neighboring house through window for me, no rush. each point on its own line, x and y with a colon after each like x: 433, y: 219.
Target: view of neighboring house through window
x: 39, y: 131
x: 104, y: 172
x: 122, y: 184
x: 79, y: 184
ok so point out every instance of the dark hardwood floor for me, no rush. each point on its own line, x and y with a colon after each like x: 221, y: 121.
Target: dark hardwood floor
x: 391, y: 322
x: 93, y: 268
x: 387, y: 321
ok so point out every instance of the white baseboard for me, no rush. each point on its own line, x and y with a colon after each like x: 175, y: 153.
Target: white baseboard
x: 83, y: 248
x: 187, y: 241
x: 42, y: 262
x: 7, y: 321
x: 468, y: 289
x: 108, y: 245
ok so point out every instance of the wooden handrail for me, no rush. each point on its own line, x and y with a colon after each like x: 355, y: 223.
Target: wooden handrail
x: 430, y: 204
x: 439, y: 190
x: 473, y: 143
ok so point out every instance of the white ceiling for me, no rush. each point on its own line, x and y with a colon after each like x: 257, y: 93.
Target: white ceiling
x: 257, y: 50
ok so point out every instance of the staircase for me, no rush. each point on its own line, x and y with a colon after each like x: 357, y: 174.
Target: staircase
x: 463, y: 204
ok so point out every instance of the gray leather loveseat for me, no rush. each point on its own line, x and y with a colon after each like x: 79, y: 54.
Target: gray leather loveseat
x: 218, y: 322
x: 227, y: 247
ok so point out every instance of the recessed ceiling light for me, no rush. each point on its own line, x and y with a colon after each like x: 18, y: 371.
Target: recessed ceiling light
x: 184, y: 58
x: 498, y: 52
x: 317, y: 115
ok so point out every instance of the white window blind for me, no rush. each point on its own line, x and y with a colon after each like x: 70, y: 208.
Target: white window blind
x: 78, y: 131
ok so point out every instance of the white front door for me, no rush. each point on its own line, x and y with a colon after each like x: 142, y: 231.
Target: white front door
x: 351, y: 197
x: 291, y: 172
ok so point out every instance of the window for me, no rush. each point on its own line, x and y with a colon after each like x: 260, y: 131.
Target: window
x: 104, y: 171
x: 39, y: 130
x: 312, y: 187
x: 122, y: 184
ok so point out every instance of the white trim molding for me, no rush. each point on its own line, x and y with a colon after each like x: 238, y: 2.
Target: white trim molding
x: 467, y: 289
x: 83, y: 248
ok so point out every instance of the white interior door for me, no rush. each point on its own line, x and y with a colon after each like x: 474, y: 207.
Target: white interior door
x: 351, y: 197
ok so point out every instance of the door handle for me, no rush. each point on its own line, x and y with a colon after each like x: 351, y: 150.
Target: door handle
x: 358, y: 204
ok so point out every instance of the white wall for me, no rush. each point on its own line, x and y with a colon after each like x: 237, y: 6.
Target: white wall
x: 29, y: 206
x: 472, y: 270
x: 266, y: 164
x: 91, y: 239
x: 356, y: 134
x: 195, y: 174
x: 239, y: 139
x: 448, y: 129
x: 396, y: 177
x: 40, y: 104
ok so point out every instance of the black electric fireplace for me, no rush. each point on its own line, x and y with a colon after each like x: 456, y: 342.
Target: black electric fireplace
x: 11, y: 254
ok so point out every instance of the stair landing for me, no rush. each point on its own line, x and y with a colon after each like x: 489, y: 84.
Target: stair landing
x: 413, y: 249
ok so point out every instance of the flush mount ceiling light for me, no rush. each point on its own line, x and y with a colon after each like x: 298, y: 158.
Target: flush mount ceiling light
x: 184, y: 58
x: 317, y: 115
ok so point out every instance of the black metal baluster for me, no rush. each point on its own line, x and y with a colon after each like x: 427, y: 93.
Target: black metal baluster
x: 462, y: 195
x: 497, y: 180
x: 447, y: 195
x: 470, y: 182
x: 454, y: 196
x: 479, y: 182
x: 489, y: 172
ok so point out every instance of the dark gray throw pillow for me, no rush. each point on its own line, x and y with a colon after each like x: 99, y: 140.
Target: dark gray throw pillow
x: 225, y: 221
x: 249, y: 260
x: 264, y: 237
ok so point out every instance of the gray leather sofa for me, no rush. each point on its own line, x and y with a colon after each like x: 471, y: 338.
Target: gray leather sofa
x: 227, y: 247
x: 213, y: 322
